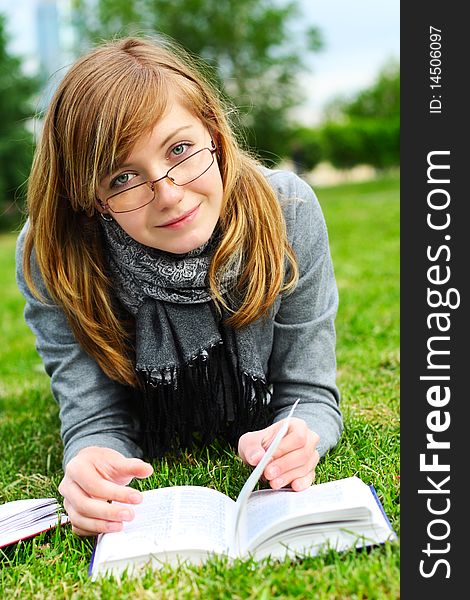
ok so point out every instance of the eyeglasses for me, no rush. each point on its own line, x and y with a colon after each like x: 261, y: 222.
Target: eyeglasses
x: 183, y: 173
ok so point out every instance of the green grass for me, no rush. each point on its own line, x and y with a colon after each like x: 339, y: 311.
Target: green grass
x: 363, y: 224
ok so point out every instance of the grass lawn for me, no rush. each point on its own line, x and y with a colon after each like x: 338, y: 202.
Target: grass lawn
x: 363, y: 224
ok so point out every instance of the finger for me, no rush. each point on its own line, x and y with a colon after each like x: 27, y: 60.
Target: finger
x: 98, y: 519
x: 286, y: 479
x: 298, y: 435
x: 87, y: 526
x: 81, y: 532
x: 256, y: 443
x: 303, y: 475
x: 297, y: 459
x: 250, y: 449
x: 125, y: 469
x: 303, y: 483
x: 279, y: 478
x: 269, y: 434
x: 94, y: 485
x: 79, y: 503
x: 298, y: 450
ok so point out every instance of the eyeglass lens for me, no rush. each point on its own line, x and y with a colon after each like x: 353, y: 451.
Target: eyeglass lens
x: 182, y: 173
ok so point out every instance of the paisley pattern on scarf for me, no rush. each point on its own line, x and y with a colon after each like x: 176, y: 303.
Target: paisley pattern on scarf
x: 142, y: 272
x: 200, y: 379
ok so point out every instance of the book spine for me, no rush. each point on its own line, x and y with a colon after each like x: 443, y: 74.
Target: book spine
x: 92, y: 559
x: 379, y: 504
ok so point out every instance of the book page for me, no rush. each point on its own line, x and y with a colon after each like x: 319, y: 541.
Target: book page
x: 271, y: 511
x: 168, y: 519
x: 21, y: 519
x: 255, y: 476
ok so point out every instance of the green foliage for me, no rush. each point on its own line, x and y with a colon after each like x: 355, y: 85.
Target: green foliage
x: 381, y: 100
x: 16, y: 140
x: 363, y: 226
x: 248, y: 43
x: 343, y: 144
x: 369, y: 141
x: 306, y: 148
x: 366, y: 128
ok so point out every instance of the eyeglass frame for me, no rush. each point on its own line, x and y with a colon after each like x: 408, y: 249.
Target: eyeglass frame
x: 151, y: 183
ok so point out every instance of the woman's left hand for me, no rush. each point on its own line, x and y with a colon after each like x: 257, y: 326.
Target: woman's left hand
x: 294, y: 460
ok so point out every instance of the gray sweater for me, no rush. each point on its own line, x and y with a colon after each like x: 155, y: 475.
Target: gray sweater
x: 296, y: 346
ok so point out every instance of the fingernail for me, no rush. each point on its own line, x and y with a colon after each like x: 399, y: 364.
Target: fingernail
x: 125, y: 515
x: 273, y: 472
x: 113, y: 526
x: 135, y: 497
x: 256, y: 457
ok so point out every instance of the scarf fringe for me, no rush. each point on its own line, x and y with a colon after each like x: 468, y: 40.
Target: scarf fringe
x: 205, y: 399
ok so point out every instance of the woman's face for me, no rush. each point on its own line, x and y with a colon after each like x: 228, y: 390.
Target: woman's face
x: 180, y: 218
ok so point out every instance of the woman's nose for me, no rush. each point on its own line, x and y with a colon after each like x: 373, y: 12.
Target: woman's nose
x: 167, y: 193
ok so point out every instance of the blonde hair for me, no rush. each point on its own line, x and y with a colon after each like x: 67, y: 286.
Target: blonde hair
x: 105, y: 102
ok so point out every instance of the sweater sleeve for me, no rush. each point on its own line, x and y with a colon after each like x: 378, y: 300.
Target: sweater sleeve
x: 303, y: 358
x: 93, y: 409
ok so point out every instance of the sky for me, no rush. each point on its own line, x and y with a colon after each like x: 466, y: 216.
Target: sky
x: 359, y: 38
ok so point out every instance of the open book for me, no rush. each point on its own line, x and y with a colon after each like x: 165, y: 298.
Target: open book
x: 22, y: 519
x: 192, y: 523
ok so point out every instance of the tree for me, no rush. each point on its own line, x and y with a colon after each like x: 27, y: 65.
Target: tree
x: 16, y: 140
x: 379, y: 101
x: 366, y: 128
x: 305, y: 148
x: 250, y: 44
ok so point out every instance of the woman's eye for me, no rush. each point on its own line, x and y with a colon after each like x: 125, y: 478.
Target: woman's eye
x: 122, y: 180
x: 180, y: 149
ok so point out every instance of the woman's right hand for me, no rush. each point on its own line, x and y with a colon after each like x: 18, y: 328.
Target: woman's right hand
x: 93, y: 479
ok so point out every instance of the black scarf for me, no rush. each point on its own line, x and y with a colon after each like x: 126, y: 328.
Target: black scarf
x: 200, y: 379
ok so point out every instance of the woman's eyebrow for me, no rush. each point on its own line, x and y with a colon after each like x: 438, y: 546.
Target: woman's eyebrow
x: 127, y: 165
x: 175, y: 132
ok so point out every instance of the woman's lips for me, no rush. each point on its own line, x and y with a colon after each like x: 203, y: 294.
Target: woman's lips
x: 182, y: 220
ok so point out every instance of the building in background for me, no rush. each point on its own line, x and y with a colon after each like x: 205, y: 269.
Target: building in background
x: 41, y: 33
x: 47, y: 29
x: 49, y: 48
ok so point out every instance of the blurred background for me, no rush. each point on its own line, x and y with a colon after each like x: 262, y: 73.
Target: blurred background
x: 315, y: 83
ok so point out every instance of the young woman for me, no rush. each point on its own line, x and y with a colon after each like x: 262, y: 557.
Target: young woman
x: 178, y: 291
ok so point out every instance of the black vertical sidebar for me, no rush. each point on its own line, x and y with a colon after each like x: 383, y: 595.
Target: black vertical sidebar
x: 435, y: 325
